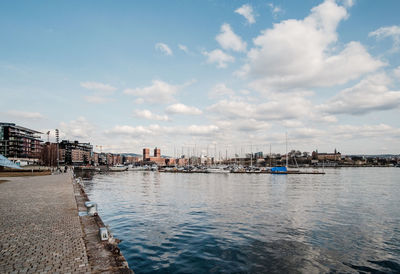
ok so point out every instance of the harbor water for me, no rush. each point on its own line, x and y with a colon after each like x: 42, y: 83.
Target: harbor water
x: 347, y: 220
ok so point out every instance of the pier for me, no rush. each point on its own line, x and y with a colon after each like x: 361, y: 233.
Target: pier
x: 41, y: 230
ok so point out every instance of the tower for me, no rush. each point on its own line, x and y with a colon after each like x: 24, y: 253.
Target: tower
x: 157, y: 153
x: 146, y: 154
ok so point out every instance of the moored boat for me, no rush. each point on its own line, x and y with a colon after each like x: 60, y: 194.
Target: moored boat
x: 117, y: 168
x: 138, y: 168
x: 217, y: 170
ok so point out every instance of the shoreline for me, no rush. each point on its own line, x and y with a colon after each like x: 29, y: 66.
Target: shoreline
x: 103, y: 256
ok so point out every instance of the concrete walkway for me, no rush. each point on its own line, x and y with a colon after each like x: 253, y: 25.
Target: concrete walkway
x: 40, y: 230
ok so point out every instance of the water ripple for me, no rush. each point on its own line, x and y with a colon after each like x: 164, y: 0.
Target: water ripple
x: 346, y: 221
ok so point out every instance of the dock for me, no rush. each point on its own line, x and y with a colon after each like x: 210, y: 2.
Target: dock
x: 41, y: 231
x: 315, y: 172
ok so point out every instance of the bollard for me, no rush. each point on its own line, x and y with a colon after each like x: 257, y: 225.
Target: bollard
x: 91, y: 208
x: 103, y: 234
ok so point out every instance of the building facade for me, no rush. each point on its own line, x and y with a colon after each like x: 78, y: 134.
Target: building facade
x: 75, y: 153
x: 19, y: 142
x: 157, y: 159
x: 335, y: 156
x: 130, y: 159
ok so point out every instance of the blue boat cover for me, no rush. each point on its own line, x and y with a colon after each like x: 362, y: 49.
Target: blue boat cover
x: 279, y: 169
x: 7, y: 163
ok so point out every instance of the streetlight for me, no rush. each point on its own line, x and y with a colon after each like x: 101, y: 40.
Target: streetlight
x: 57, y: 140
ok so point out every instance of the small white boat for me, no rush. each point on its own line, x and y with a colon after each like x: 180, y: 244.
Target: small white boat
x: 138, y: 168
x: 118, y: 168
x: 217, y: 170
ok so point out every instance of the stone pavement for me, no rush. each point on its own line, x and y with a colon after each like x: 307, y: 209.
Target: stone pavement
x: 40, y: 230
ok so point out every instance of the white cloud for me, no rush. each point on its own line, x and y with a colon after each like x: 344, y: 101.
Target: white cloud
x: 366, y: 131
x: 370, y: 94
x: 183, y: 48
x: 128, y: 130
x: 202, y: 130
x: 292, y: 123
x: 303, y: 53
x: 139, y: 101
x: 306, y: 133
x: 147, y: 114
x: 219, y: 57
x: 279, y: 108
x: 24, y: 114
x: 156, y: 130
x: 348, y: 3
x: 229, y: 40
x: 220, y: 90
x: 392, y: 31
x: 183, y: 109
x: 80, y: 129
x: 247, y: 12
x: 97, y: 99
x: 323, y: 118
x: 97, y: 86
x: 159, y: 92
x: 164, y: 48
x: 243, y: 125
x: 396, y: 72
x: 275, y: 9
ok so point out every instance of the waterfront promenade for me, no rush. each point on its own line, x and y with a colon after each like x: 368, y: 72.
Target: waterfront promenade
x: 40, y: 230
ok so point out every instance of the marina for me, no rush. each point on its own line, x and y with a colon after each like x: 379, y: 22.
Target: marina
x: 343, y: 221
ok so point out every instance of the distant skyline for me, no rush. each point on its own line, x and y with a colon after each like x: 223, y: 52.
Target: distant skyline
x: 236, y: 75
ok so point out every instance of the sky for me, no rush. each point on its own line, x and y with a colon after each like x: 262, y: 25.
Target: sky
x: 205, y: 77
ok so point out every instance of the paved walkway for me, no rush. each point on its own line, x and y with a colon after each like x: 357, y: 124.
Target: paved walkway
x: 40, y: 230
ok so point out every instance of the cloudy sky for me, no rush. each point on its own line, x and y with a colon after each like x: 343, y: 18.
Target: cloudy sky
x: 205, y: 75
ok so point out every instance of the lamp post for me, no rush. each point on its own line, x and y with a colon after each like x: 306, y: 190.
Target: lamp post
x: 57, y: 140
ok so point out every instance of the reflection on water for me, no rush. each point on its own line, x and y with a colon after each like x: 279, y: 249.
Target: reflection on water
x: 345, y: 221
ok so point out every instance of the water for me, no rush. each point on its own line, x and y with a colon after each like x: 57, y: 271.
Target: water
x: 345, y: 221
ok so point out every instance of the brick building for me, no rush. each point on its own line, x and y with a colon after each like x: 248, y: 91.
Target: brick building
x: 131, y: 159
x: 157, y: 159
x: 335, y: 156
x: 75, y: 153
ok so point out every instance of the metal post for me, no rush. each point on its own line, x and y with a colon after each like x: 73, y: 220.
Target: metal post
x: 57, y: 140
x: 270, y: 156
x: 251, y: 155
x: 287, y: 159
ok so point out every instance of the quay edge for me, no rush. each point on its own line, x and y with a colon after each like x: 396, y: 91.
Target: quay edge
x: 103, y: 256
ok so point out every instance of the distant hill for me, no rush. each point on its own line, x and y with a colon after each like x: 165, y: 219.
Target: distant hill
x: 131, y: 154
x: 140, y: 155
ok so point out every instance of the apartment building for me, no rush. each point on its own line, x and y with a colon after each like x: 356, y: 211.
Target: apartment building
x: 18, y: 143
x: 75, y: 153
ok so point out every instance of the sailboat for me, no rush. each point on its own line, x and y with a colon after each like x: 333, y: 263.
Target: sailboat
x: 284, y: 169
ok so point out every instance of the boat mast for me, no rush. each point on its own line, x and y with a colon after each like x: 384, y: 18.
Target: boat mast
x: 251, y: 155
x: 270, y: 156
x: 286, y: 153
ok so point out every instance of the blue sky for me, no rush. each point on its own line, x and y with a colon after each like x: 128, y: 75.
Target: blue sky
x: 198, y: 74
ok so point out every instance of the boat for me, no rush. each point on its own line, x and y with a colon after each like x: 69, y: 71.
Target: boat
x: 279, y: 170
x: 284, y: 169
x: 217, y: 170
x: 117, y: 168
x: 137, y: 168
